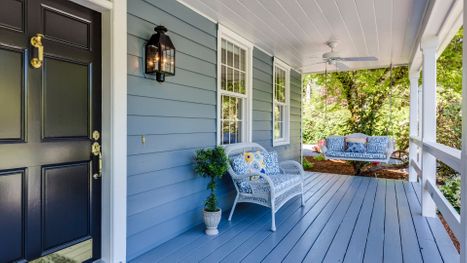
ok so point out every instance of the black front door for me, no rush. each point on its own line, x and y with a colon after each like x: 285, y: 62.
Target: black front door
x: 50, y: 115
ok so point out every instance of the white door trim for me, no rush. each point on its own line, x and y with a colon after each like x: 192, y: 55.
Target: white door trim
x: 114, y: 126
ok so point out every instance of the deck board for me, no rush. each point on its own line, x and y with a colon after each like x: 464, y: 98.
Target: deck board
x: 375, y: 240
x: 355, y: 249
x: 392, y: 240
x: 329, y: 234
x: 409, y: 242
x: 442, y: 239
x: 345, y: 219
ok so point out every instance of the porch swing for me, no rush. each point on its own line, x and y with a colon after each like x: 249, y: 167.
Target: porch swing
x: 359, y: 146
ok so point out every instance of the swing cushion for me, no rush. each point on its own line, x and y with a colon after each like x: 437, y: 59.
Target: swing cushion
x: 355, y: 144
x: 335, y: 143
x: 355, y: 147
x: 377, y: 144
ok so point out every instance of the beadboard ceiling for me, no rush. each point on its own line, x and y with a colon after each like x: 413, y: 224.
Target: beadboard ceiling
x: 296, y: 30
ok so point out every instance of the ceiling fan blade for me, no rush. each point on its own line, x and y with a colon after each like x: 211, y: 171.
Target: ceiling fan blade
x: 317, y: 63
x: 359, y: 59
x: 341, y: 66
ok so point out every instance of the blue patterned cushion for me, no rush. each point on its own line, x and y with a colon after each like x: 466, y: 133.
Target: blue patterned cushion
x: 272, y: 163
x: 356, y: 147
x: 357, y: 155
x: 280, y: 182
x: 244, y: 186
x: 377, y: 144
x: 248, y: 162
x: 238, y: 164
x: 335, y: 143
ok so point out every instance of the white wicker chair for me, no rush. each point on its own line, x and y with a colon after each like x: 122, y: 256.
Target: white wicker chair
x: 270, y: 191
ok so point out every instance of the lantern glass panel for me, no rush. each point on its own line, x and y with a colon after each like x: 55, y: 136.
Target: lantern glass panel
x: 152, y: 59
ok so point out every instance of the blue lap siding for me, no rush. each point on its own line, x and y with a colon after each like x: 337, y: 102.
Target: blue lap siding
x: 179, y: 116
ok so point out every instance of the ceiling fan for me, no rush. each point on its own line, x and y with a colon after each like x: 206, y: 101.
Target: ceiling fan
x: 333, y: 58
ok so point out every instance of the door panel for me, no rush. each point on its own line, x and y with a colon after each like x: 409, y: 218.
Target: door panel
x: 66, y: 99
x: 66, y: 192
x: 11, y: 15
x: 78, y: 37
x: 12, y: 225
x: 12, y: 95
x: 47, y: 115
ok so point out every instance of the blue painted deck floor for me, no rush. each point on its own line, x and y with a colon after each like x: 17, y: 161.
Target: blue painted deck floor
x: 345, y: 219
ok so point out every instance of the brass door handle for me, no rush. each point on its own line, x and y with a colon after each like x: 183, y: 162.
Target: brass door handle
x: 96, y: 151
x: 36, y: 41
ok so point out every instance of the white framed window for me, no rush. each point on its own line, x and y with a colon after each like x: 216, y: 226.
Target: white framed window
x: 281, y: 103
x: 234, y: 92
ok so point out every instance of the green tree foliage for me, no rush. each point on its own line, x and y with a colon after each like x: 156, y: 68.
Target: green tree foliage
x: 449, y: 119
x: 449, y: 93
x: 374, y: 102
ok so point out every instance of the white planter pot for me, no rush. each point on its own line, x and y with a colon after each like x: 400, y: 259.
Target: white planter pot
x: 212, y: 219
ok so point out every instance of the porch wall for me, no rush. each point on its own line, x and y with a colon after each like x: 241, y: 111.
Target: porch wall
x: 262, y: 107
x: 179, y: 116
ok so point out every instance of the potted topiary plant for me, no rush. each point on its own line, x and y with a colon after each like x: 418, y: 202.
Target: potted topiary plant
x: 211, y: 163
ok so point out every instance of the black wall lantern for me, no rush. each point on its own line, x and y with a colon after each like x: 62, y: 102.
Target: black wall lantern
x: 160, y: 55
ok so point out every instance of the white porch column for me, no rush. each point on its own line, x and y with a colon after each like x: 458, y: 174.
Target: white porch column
x: 463, y: 238
x: 428, y: 121
x: 414, y: 76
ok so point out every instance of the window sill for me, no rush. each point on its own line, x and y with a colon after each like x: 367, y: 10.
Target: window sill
x: 280, y: 143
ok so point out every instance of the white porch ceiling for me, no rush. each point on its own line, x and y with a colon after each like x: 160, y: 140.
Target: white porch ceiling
x: 296, y: 30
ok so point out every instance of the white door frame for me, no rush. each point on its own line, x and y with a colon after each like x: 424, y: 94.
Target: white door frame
x: 114, y: 126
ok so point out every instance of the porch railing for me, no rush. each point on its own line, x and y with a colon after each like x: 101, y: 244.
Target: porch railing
x: 425, y: 151
x: 452, y: 158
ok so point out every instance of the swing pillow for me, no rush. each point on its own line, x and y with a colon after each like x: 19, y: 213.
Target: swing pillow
x: 357, y: 145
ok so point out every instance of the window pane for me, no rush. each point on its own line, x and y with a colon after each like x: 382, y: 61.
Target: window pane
x: 278, y: 130
x: 278, y: 120
x: 242, y: 83
x: 243, y: 59
x: 236, y: 57
x: 280, y: 85
x: 229, y: 81
x: 232, y: 130
x: 239, y: 115
x: 225, y: 132
x: 223, y: 78
x: 237, y: 81
x: 231, y: 119
x: 229, y: 54
x: 223, y: 50
x: 225, y: 108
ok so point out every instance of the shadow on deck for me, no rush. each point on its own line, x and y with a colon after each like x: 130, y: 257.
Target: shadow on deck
x: 345, y: 219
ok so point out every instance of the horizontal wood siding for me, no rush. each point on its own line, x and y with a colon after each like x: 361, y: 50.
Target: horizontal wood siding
x: 262, y: 107
x: 262, y: 98
x: 177, y: 117
x: 293, y: 150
